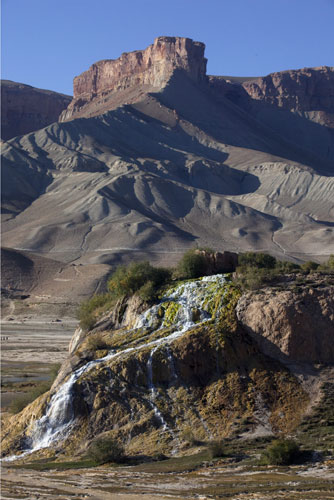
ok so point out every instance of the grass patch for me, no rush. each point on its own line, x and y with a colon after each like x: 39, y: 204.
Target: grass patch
x: 177, y: 464
x: 43, y: 465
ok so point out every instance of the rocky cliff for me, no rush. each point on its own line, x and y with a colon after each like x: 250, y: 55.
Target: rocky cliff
x: 185, y: 365
x: 154, y: 157
x: 308, y: 92
x: 147, y: 69
x: 26, y: 109
x: 296, y: 104
x: 294, y: 324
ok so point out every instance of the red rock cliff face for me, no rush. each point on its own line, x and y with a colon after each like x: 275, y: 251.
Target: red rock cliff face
x: 149, y: 68
x: 26, y: 109
x: 308, y: 91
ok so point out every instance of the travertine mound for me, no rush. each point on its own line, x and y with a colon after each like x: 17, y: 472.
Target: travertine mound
x: 25, y: 109
x: 295, y: 325
x: 148, y: 386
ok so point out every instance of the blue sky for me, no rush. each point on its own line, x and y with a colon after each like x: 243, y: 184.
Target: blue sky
x: 45, y: 43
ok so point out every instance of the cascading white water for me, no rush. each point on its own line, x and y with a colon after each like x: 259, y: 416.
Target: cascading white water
x: 171, y: 364
x: 195, y: 295
x: 153, y: 391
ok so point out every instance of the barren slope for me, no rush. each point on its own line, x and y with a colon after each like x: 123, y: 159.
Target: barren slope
x: 156, y: 170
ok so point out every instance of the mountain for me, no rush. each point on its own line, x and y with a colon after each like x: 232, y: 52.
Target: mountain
x: 25, y: 109
x: 153, y: 156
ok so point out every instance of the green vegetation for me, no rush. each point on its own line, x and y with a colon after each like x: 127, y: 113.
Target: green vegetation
x: 175, y: 464
x: 24, y: 399
x: 309, y: 266
x: 96, y: 343
x: 192, y: 265
x: 330, y: 262
x: 256, y: 260
x: 106, y: 449
x: 46, y: 464
x: 280, y: 452
x: 216, y: 449
x: 257, y: 269
x: 90, y: 309
x: 140, y: 278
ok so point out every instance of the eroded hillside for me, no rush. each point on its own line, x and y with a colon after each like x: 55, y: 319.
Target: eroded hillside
x: 154, y: 156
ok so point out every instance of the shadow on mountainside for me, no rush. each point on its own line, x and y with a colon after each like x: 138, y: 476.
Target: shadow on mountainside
x: 238, y: 121
x: 314, y: 141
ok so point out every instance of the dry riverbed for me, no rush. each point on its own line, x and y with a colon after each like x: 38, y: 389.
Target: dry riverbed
x: 29, y: 349
x: 222, y: 479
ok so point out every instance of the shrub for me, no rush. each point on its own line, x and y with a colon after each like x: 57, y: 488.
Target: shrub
x: 256, y: 259
x: 216, y: 449
x: 138, y: 277
x: 192, y: 265
x: 256, y: 269
x: 329, y: 265
x: 89, y: 309
x: 309, y: 266
x: 286, y: 267
x: 252, y: 278
x: 280, y: 452
x: 148, y: 292
x: 96, y: 342
x: 330, y: 262
x: 106, y: 449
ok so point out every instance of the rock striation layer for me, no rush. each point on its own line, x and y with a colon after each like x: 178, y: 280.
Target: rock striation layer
x: 26, y: 109
x: 307, y: 91
x: 154, y: 157
x: 149, y: 68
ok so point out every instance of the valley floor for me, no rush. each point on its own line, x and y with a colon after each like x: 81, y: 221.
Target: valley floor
x: 29, y: 348
x: 220, y: 480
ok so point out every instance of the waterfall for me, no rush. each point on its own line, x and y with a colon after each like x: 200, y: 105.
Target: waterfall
x: 195, y: 295
x: 171, y: 363
x: 153, y: 391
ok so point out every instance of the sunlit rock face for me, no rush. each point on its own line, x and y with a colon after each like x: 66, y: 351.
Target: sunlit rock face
x: 307, y: 91
x: 292, y: 325
x: 150, y: 68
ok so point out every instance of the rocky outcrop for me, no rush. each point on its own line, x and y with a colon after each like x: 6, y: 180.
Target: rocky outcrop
x: 307, y: 91
x: 150, y: 68
x: 297, y: 104
x: 147, y: 386
x: 219, y: 262
x: 26, y: 109
x: 293, y: 325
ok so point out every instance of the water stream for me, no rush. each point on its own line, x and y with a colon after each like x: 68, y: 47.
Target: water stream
x: 195, y: 295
